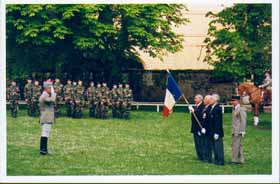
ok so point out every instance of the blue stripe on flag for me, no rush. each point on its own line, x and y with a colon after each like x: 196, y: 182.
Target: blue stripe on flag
x: 173, y: 87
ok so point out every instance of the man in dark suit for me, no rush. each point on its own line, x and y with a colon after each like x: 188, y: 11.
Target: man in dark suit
x: 206, y: 146
x: 216, y: 130
x: 195, y: 128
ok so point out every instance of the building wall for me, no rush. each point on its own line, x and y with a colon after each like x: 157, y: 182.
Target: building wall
x: 150, y: 85
x: 194, y: 32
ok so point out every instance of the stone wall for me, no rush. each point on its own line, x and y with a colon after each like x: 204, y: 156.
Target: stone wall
x: 151, y: 85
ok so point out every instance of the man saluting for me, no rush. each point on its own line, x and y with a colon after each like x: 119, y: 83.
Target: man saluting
x: 46, y: 103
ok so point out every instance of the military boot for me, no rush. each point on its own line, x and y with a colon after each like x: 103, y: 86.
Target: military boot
x: 44, y: 146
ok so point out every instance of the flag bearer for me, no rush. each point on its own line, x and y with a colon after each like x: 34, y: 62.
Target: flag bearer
x: 195, y: 128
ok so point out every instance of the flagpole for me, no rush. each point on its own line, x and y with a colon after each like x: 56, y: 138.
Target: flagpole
x: 187, y: 102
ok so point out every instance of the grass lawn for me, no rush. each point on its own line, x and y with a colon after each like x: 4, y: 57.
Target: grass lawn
x: 146, y: 144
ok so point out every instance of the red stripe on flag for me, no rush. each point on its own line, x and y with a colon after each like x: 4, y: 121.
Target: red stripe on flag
x: 165, y: 111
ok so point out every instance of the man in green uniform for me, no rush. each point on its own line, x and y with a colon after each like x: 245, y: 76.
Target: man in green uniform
x: 99, y: 101
x: 127, y: 101
x: 120, y: 100
x: 28, y: 95
x: 13, y: 96
x: 68, y: 96
x: 91, y: 98
x: 58, y: 88
x: 78, y: 100
x: 114, y: 101
x: 105, y: 102
x: 36, y: 93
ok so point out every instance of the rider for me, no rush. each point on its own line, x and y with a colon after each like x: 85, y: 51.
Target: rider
x: 266, y: 86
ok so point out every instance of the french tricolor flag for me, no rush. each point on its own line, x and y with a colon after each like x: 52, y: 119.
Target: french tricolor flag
x: 173, y: 93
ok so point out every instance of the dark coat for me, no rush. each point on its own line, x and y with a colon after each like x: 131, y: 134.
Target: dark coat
x: 198, y: 112
x: 205, y: 115
x: 216, y: 121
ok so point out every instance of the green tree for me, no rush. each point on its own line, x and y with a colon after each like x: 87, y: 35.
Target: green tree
x: 239, y: 41
x: 71, y: 38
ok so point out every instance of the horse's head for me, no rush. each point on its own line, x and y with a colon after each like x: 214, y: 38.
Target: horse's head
x: 244, y: 87
x: 241, y: 88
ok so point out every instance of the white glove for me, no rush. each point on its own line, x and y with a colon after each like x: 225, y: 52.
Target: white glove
x: 242, y: 134
x: 216, y: 136
x: 203, y: 130
x: 198, y: 133
x: 53, y: 94
x: 191, y: 109
x: 52, y: 90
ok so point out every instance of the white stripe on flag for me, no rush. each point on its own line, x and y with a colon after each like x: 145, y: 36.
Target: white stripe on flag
x: 169, y: 100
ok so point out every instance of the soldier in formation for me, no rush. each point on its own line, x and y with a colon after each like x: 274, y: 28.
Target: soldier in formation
x: 115, y: 101
x: 103, y: 101
x: 28, y: 95
x: 99, y: 99
x: 36, y: 92
x: 68, y: 93
x: 78, y: 99
x: 120, y: 101
x: 13, y: 97
x: 91, y: 99
x: 127, y: 95
x: 58, y: 89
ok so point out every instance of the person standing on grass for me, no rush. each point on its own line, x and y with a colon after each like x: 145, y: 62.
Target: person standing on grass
x: 239, y: 117
x: 205, y: 123
x: 195, y: 129
x: 47, y: 104
x: 216, y: 130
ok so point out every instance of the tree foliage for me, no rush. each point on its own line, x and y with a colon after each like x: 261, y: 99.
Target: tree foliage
x: 81, y: 36
x: 239, y: 41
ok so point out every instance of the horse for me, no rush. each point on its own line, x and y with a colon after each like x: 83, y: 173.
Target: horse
x: 255, y: 97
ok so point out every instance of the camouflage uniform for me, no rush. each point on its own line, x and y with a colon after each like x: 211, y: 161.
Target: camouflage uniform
x: 99, y: 104
x: 36, y: 93
x: 105, y: 102
x: 127, y: 100
x: 115, y: 101
x: 78, y: 99
x: 91, y: 98
x: 68, y: 97
x: 28, y: 96
x: 13, y: 96
x: 120, y: 108
x: 58, y: 89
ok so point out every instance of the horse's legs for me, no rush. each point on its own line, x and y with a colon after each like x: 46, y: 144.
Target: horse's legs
x: 256, y: 109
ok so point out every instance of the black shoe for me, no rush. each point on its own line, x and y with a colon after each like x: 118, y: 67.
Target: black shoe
x: 43, y: 153
x: 219, y: 163
x: 44, y: 146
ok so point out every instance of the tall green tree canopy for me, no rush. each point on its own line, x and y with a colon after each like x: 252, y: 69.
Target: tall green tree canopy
x: 82, y: 36
x: 239, y: 41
